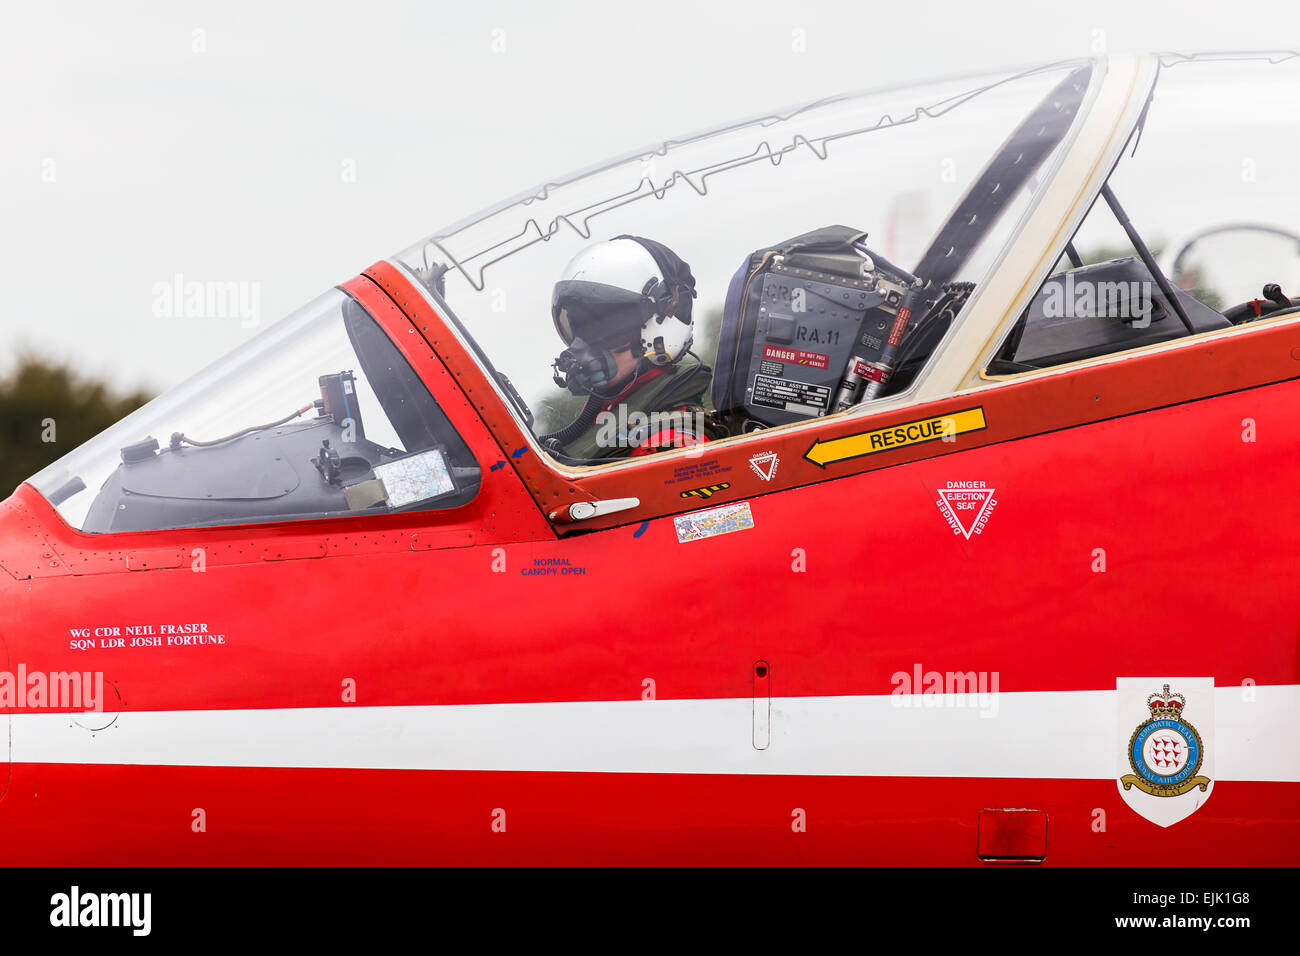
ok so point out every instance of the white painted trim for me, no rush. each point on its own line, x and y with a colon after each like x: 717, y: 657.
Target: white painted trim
x: 1059, y: 735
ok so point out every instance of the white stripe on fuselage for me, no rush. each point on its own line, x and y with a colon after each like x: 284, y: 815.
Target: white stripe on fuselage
x: 1064, y: 735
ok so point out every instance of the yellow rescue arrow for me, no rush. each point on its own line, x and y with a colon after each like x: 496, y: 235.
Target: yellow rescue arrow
x: 918, y: 432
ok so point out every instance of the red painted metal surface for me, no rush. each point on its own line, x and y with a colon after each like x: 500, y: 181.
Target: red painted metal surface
x: 1142, y: 458
x: 260, y: 816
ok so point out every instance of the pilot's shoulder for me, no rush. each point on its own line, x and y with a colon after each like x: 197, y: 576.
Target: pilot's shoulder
x: 691, y: 362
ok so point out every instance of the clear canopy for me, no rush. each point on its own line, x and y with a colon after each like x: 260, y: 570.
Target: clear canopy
x: 885, y: 208
x: 930, y: 181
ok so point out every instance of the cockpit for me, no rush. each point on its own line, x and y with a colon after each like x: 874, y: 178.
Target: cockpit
x: 321, y: 416
x: 831, y: 248
x: 835, y: 247
x: 786, y: 268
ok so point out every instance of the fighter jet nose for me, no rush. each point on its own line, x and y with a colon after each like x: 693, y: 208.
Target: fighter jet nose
x: 9, y: 524
x: 25, y: 550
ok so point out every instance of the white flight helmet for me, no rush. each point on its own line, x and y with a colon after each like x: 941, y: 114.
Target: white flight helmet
x: 626, y: 292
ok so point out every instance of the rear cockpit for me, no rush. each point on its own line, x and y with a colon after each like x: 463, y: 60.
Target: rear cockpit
x: 865, y: 226
x: 861, y: 226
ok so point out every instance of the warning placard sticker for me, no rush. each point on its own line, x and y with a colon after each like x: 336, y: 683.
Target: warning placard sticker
x: 796, y: 356
x: 791, y: 396
x: 938, y: 428
x: 966, y: 505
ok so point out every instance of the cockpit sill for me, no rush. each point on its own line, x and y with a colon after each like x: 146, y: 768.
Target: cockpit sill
x: 37, y: 542
x: 1184, y: 369
x: 811, y: 429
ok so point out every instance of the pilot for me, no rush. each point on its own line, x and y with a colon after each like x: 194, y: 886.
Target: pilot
x: 623, y: 309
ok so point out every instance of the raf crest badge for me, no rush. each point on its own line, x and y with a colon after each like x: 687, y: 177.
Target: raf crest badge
x: 1165, y: 751
x: 1168, y: 758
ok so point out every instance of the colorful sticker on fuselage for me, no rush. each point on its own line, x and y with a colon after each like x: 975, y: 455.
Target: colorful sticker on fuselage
x: 715, y: 521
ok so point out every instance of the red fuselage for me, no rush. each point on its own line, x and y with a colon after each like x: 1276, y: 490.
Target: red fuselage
x: 482, y: 685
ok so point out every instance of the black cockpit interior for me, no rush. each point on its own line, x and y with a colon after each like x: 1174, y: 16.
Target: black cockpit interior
x: 316, y: 461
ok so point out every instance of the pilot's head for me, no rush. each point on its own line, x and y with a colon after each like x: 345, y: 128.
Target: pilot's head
x: 620, y: 305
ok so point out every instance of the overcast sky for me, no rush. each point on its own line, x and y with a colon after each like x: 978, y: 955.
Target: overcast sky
x: 293, y: 144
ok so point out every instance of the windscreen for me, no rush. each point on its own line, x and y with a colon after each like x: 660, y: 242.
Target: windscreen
x: 319, y: 416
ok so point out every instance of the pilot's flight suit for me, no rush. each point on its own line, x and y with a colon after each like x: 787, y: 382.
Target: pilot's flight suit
x: 668, y: 389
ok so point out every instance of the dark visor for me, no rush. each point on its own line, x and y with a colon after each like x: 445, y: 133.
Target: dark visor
x: 603, y: 315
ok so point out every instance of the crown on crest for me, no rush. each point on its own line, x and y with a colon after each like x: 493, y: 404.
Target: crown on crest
x: 1165, y: 704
